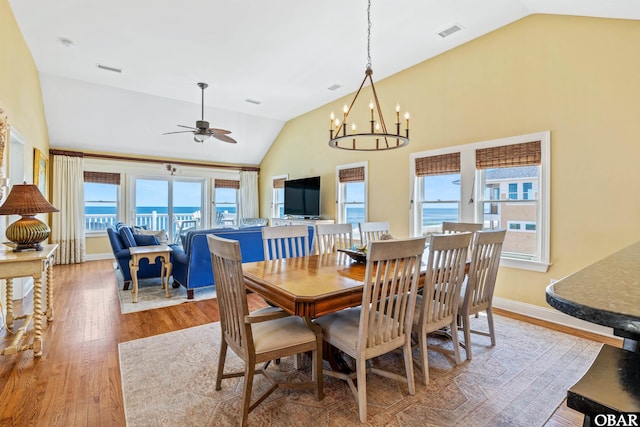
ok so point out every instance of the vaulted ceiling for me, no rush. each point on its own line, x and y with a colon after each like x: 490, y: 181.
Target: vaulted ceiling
x: 265, y: 62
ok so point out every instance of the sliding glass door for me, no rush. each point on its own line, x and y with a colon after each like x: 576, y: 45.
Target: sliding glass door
x: 166, y: 204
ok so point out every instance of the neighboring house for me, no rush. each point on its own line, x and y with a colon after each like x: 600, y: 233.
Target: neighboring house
x: 519, y: 216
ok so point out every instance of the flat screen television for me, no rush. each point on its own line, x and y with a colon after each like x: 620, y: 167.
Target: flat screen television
x: 302, y: 197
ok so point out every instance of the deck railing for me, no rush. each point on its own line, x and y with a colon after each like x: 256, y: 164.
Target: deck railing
x: 153, y: 220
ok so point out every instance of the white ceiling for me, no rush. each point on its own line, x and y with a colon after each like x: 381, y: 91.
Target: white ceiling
x: 283, y: 53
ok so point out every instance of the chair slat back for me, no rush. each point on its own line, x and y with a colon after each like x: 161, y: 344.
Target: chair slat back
x: 286, y: 241
x: 331, y: 237
x: 390, y: 288
x: 226, y: 262
x: 485, y: 260
x: 445, y: 274
x: 372, y: 231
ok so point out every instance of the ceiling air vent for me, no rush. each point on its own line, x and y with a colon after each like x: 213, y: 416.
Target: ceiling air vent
x: 112, y: 69
x: 452, y: 29
x: 253, y: 101
x: 334, y: 87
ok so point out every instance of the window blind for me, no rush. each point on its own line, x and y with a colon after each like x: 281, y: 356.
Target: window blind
x: 102, y: 177
x: 279, y: 182
x: 351, y: 175
x: 438, y: 165
x: 505, y: 156
x: 227, y: 183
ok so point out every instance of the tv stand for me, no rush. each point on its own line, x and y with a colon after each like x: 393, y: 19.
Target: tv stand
x: 300, y: 221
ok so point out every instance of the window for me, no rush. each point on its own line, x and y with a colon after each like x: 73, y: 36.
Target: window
x: 352, y: 195
x: 437, y: 193
x: 277, y: 197
x: 101, y: 196
x: 503, y: 184
x: 226, y: 202
x: 527, y: 190
x: 169, y: 204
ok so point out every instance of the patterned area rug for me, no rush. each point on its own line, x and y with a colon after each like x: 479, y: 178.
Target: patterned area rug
x: 151, y: 295
x: 169, y: 380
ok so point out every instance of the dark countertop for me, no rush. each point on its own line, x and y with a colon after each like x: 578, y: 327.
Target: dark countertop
x: 606, y: 293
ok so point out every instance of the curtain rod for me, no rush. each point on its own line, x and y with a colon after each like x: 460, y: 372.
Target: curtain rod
x: 55, y: 152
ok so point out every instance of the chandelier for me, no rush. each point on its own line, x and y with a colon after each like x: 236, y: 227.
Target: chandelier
x: 379, y: 137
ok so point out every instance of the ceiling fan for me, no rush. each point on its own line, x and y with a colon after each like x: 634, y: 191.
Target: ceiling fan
x: 202, y: 131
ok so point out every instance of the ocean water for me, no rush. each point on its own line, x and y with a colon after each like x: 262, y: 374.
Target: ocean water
x: 430, y: 216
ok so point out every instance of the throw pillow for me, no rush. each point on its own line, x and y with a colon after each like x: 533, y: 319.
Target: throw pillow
x: 127, y: 237
x: 160, y: 235
x: 145, y: 240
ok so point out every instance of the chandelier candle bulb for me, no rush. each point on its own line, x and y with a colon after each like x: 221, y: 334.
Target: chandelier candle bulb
x: 406, y: 118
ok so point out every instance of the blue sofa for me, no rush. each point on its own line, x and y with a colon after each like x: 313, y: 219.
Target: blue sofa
x: 122, y: 238
x: 192, y: 263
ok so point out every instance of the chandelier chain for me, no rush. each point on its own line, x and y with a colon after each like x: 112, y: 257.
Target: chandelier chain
x: 369, y: 35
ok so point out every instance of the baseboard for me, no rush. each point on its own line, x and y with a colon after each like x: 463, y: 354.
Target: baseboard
x: 98, y: 257
x: 550, y: 315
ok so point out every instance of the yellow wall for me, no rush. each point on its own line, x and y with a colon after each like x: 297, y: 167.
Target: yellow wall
x: 574, y: 76
x: 20, y: 94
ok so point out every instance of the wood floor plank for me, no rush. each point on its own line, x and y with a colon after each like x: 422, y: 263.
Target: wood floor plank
x: 77, y: 381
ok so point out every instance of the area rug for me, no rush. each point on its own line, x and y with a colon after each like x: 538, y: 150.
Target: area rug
x: 169, y: 380
x: 151, y: 295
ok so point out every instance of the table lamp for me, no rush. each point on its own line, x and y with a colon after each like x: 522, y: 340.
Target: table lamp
x: 28, y: 232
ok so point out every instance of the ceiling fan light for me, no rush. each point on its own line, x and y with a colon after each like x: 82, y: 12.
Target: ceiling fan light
x: 202, y: 137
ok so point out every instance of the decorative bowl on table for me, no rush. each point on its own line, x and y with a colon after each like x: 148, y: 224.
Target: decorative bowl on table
x: 356, y: 254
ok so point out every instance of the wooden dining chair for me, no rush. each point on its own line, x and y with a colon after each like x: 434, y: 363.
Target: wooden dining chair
x: 460, y: 227
x: 331, y: 237
x: 481, y: 281
x: 285, y: 241
x: 437, y: 307
x: 256, y: 338
x: 382, y: 323
x: 372, y: 231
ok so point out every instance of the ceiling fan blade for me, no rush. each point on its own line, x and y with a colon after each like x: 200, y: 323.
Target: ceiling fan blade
x: 188, y: 127
x: 225, y: 138
x: 179, y: 131
x: 219, y: 131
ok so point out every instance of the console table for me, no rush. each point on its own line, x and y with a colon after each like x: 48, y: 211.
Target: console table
x: 28, y: 264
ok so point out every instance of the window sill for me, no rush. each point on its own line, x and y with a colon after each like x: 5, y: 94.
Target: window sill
x: 540, y: 267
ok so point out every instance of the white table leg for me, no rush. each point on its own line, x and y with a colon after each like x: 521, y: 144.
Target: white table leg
x: 133, y: 267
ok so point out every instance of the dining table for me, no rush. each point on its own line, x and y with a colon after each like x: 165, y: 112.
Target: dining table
x: 310, y: 286
x: 313, y: 286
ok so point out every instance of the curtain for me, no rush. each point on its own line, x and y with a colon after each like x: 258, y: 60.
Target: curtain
x: 68, y: 196
x: 248, y: 195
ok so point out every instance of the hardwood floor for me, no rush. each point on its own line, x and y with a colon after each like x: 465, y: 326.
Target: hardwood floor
x: 76, y: 382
